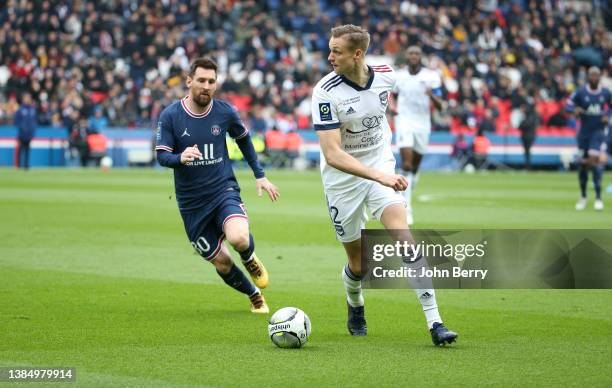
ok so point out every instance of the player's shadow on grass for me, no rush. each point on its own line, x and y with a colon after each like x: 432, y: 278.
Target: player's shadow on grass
x: 306, y: 348
x: 216, y: 316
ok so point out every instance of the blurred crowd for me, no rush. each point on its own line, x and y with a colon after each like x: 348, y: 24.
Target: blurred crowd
x: 120, y: 62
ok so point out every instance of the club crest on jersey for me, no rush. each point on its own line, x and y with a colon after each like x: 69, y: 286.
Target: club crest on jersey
x: 325, y: 111
x: 215, y: 130
x: 384, y: 98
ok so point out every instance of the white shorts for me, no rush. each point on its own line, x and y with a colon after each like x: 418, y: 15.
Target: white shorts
x: 408, y: 136
x: 348, y: 208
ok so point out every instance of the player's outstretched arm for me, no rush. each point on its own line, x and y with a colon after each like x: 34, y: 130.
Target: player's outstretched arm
x: 336, y: 157
x: 263, y: 184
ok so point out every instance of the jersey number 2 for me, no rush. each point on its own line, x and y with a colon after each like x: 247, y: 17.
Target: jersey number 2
x: 333, y: 212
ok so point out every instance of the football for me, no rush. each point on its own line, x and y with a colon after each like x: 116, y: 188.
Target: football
x: 106, y: 163
x: 289, y: 327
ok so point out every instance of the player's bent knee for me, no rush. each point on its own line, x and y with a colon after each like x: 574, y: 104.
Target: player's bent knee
x: 239, y: 241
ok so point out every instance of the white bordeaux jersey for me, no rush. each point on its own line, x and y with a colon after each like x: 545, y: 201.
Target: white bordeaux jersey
x: 359, y: 112
x: 412, y: 101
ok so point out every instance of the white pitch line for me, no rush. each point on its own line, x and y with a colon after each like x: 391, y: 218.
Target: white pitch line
x: 430, y: 197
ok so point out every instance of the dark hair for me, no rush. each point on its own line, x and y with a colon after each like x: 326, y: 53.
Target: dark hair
x: 356, y: 36
x: 203, y: 62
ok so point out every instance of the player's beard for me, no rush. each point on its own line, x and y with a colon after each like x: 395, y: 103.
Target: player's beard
x: 202, y: 99
x: 414, y: 68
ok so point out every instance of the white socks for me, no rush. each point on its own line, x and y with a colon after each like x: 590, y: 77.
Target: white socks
x: 352, y: 285
x: 423, y: 287
x: 412, y: 179
x: 427, y: 297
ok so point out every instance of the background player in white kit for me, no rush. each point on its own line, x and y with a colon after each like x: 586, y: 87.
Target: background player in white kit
x: 357, y: 165
x: 416, y: 86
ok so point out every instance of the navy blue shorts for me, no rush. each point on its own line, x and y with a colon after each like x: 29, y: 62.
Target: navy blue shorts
x: 590, y: 142
x: 204, y: 226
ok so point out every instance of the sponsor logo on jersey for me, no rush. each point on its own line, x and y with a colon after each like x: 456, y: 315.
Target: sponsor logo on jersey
x: 215, y: 130
x: 355, y: 132
x: 185, y: 133
x: 207, y: 151
x: 384, y: 98
x: 207, y: 158
x: 325, y: 111
x: 158, y: 131
x: 350, y: 110
x: 594, y: 109
x: 372, y: 122
x: 352, y: 100
x: 368, y: 123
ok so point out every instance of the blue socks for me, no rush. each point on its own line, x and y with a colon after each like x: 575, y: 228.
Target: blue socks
x: 246, y: 255
x: 597, y: 174
x: 235, y: 278
x: 583, y: 177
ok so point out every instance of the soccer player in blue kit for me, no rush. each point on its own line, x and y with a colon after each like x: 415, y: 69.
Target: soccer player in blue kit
x: 190, y: 139
x: 591, y: 102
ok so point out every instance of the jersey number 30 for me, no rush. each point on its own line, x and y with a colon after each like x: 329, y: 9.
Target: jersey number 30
x: 201, y: 245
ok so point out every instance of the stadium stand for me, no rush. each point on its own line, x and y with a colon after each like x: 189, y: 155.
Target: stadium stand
x: 119, y: 62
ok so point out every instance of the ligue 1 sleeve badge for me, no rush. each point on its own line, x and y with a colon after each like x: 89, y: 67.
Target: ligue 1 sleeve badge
x: 215, y: 130
x: 325, y: 111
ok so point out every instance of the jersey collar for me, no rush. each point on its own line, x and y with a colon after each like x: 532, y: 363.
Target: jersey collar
x: 593, y: 91
x: 415, y: 74
x: 357, y: 87
x: 196, y: 115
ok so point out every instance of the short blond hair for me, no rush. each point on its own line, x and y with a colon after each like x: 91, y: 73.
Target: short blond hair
x: 357, y: 37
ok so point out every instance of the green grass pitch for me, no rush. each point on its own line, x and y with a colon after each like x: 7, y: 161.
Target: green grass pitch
x: 96, y: 273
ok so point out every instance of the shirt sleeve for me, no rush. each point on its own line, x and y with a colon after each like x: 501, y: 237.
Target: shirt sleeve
x: 164, y: 134
x: 168, y: 159
x: 248, y: 151
x: 324, y: 111
x: 236, y: 128
x: 571, y: 103
x: 435, y: 84
x: 395, y: 82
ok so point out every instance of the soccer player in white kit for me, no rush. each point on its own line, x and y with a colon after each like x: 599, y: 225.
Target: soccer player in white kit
x: 416, y: 86
x: 357, y: 165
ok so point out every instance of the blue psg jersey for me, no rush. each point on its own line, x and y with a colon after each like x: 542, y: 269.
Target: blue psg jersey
x: 198, y: 183
x: 594, y: 104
